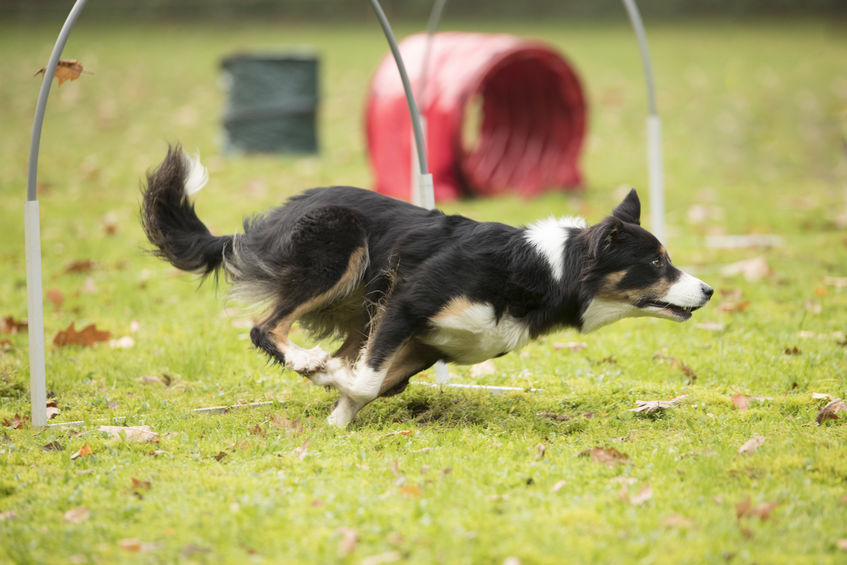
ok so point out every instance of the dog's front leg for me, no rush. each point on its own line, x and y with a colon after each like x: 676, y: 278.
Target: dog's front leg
x: 357, y: 386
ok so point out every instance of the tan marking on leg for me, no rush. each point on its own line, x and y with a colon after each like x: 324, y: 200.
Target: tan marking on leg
x: 411, y: 358
x: 455, y: 307
x: 310, y: 360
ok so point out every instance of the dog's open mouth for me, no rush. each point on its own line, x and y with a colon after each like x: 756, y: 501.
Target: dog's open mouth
x: 680, y: 312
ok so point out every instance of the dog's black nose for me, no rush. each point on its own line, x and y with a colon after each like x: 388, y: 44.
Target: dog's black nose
x: 708, y: 291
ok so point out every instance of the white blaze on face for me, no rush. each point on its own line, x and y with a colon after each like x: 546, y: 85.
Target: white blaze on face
x: 686, y: 292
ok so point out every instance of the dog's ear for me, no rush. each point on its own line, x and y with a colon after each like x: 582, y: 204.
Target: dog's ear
x: 630, y: 209
x: 601, y: 236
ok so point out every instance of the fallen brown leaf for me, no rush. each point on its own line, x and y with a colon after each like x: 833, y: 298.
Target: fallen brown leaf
x: 8, y: 515
x: 678, y: 521
x: 291, y: 427
x: 555, y: 416
x: 792, y: 351
x: 16, y: 423
x: 220, y: 455
x: 302, y: 451
x: 52, y: 446
x: 644, y: 494
x: 77, y: 515
x: 762, y: 511
x: 605, y: 456
x: 139, y: 487
x: 752, y: 269
x: 83, y: 451
x: 85, y: 337
x: 66, y: 69
x: 831, y: 410
x: 741, y: 402
x: 138, y: 434
x: 9, y: 325
x: 739, y: 306
x: 653, y: 406
x: 751, y: 445
x: 348, y: 541
x: 55, y: 297
x: 80, y: 266
x: 412, y: 491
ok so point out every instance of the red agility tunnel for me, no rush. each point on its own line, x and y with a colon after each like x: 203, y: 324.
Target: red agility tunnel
x: 502, y: 113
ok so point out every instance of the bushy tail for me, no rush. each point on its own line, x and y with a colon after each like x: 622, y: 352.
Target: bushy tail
x: 169, y: 220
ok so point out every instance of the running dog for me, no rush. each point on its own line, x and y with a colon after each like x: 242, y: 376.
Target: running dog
x: 404, y: 287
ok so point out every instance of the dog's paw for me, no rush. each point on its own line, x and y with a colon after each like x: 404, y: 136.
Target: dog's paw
x: 344, y: 411
x: 306, y: 361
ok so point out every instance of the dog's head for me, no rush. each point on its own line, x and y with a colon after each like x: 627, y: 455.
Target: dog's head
x: 629, y: 273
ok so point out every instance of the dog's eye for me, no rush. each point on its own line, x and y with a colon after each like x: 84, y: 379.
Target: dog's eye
x: 657, y: 262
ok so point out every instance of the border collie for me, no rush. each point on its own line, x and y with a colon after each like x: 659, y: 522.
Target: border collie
x: 404, y: 287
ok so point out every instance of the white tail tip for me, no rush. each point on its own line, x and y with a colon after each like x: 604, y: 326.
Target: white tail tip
x: 197, y: 176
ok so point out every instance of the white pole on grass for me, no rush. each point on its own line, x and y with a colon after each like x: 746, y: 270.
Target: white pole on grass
x: 654, y: 129
x: 423, y: 179
x: 32, y: 228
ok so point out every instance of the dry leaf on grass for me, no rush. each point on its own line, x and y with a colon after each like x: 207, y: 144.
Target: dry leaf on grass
x: 134, y: 545
x: 137, y: 434
x: 87, y: 336
x: 80, y: 266
x: 678, y: 521
x: 752, y: 269
x: 125, y: 342
x: 83, y: 451
x: 77, y: 515
x: 302, y: 451
x: 8, y: 515
x: 605, y: 456
x: 9, y: 325
x: 16, y: 422
x: 412, y: 491
x: 644, y: 494
x: 291, y: 427
x: 751, y: 445
x: 653, y: 406
x: 831, y: 410
x: 745, y: 509
x: 66, y: 69
x: 741, y: 402
x: 52, y: 409
x: 348, y: 541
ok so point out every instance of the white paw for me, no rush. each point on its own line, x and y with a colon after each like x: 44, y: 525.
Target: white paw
x: 343, y: 413
x: 306, y: 361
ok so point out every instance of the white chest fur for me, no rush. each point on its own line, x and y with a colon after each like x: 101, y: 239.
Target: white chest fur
x: 469, y: 332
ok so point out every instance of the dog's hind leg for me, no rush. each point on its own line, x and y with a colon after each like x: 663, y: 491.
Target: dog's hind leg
x: 392, y: 356
x: 323, y: 261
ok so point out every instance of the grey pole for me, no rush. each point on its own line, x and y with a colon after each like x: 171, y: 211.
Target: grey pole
x: 654, y: 128
x: 32, y: 227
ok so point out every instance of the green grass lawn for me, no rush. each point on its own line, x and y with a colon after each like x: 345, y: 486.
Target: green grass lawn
x: 755, y: 118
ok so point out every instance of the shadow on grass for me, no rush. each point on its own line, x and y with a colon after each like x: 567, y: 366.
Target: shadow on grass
x: 450, y: 408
